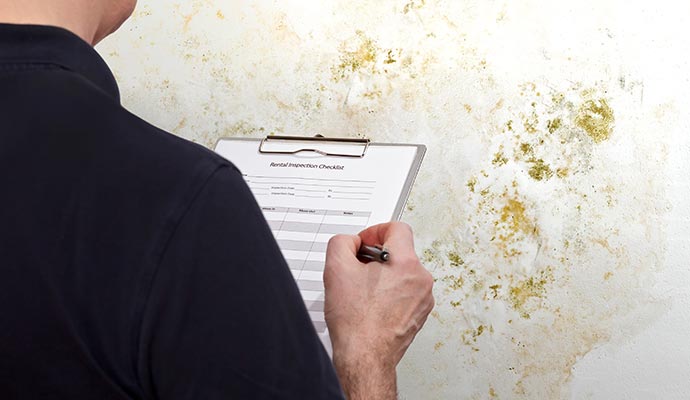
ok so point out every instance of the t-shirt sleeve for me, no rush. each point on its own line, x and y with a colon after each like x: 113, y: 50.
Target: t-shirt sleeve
x: 224, y: 318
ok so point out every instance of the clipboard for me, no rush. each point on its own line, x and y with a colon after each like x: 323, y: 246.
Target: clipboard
x: 312, y: 188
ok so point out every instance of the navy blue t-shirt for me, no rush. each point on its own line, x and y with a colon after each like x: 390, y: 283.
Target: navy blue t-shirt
x: 133, y: 264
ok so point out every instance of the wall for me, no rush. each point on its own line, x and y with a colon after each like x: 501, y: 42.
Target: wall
x: 552, y: 207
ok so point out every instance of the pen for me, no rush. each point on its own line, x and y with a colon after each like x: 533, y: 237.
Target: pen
x: 373, y: 253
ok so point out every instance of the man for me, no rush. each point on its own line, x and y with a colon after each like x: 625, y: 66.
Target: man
x: 136, y: 265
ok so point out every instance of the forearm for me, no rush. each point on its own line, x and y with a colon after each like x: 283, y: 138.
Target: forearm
x: 366, y: 379
x: 374, y: 310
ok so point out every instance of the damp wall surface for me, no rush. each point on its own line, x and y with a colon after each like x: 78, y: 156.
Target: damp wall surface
x: 553, y: 205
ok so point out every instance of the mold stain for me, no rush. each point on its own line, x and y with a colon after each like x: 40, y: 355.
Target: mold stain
x: 472, y: 184
x: 243, y: 128
x: 539, y: 170
x: 512, y: 226
x: 596, y: 118
x: 455, y: 259
x: 499, y: 159
x: 372, y: 94
x: 533, y: 282
x: 520, y: 273
x: 513, y: 214
x: 522, y: 293
x: 390, y: 58
x: 494, y: 290
x: 531, y: 122
x: 143, y: 11
x: 361, y: 55
x: 492, y: 393
x: 180, y: 125
x: 554, y: 124
x: 470, y: 336
x: 562, y: 173
x: 364, y: 56
x: 187, y: 19
x: 414, y: 5
x: 453, y: 282
x: 430, y: 256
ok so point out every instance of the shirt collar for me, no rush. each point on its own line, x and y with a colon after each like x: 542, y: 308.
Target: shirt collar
x: 35, y: 44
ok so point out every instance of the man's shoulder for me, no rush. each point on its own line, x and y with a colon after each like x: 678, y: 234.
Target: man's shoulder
x: 96, y: 126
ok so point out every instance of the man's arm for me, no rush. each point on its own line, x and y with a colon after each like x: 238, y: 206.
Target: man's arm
x: 374, y: 310
x: 224, y: 318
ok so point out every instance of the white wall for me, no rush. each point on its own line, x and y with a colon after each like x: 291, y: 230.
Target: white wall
x: 561, y: 260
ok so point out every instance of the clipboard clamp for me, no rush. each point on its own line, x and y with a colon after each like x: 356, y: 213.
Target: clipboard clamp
x: 315, y: 144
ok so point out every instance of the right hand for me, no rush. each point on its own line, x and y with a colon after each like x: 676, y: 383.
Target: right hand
x: 373, y: 311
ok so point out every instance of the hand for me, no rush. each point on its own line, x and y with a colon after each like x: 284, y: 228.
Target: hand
x: 373, y: 311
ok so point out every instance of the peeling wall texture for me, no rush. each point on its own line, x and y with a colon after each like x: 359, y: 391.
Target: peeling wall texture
x: 552, y: 207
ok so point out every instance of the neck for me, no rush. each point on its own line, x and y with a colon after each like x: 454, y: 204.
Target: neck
x: 77, y: 16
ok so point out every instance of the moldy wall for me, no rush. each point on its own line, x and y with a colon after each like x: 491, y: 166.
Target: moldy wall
x: 551, y: 208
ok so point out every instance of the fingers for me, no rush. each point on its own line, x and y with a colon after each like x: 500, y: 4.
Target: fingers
x: 342, y: 251
x: 348, y: 244
x: 395, y: 236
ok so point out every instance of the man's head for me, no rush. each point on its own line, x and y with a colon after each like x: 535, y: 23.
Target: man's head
x: 92, y: 20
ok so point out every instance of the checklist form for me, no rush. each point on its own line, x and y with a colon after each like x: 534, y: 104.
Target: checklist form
x: 308, y: 197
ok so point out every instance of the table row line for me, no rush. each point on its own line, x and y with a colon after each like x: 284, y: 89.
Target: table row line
x: 315, y: 227
x: 306, y: 275
x: 306, y: 265
x: 319, y: 219
x: 302, y: 245
x: 304, y: 255
x: 307, y: 211
x: 305, y: 236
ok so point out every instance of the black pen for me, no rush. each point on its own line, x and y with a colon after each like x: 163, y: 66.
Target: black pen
x: 373, y: 253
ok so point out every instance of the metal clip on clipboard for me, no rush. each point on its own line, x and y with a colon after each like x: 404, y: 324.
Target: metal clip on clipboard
x: 338, y: 147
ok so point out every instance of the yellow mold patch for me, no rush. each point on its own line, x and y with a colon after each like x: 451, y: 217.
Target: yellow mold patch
x: 526, y: 149
x: 512, y: 227
x: 532, y: 288
x: 554, y: 124
x: 453, y: 282
x: 539, y: 170
x: 455, y: 259
x: 514, y: 218
x: 596, y: 118
x: 499, y: 159
x: 413, y: 5
x: 365, y: 55
x: 472, y: 183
